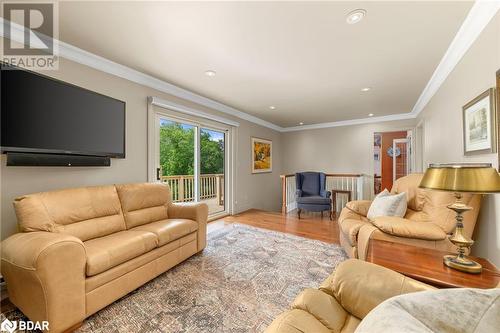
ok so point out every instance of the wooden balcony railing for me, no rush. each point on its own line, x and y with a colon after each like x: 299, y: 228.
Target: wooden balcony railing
x: 182, y: 187
x: 359, y: 185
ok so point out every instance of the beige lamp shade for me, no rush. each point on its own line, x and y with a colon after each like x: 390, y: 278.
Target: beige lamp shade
x: 465, y: 177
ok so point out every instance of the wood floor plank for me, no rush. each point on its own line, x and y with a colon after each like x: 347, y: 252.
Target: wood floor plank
x: 311, y: 225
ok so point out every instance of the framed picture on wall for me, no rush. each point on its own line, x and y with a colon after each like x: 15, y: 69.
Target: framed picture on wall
x: 262, y: 155
x: 479, y: 124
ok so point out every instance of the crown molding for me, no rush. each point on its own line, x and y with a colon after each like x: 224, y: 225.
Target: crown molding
x: 361, y: 121
x: 477, y: 19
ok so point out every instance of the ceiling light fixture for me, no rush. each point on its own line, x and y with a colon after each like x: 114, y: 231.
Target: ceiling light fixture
x: 272, y: 107
x: 355, y: 16
x: 370, y: 115
x: 301, y: 123
x: 366, y: 89
x: 210, y: 73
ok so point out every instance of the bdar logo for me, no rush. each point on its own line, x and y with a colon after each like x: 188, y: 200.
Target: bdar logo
x: 8, y: 326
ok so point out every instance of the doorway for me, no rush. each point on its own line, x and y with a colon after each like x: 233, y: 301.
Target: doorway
x: 392, y: 158
x: 192, y: 158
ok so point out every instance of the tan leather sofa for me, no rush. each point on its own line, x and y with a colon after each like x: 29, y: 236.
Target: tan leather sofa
x: 427, y: 222
x: 81, y: 249
x: 343, y: 299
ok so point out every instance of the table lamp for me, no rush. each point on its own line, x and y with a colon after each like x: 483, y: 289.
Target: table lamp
x: 461, y: 178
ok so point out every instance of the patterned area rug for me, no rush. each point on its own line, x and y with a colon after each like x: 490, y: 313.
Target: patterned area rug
x: 239, y: 283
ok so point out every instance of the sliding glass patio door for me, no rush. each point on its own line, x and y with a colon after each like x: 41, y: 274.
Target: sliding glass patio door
x: 191, y: 159
x: 212, y: 164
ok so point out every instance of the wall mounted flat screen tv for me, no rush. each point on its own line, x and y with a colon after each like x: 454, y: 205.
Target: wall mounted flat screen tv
x: 43, y: 115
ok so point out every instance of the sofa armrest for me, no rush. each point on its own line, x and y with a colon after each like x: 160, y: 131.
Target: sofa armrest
x: 45, y: 275
x: 360, y: 207
x: 402, y: 227
x: 360, y: 286
x: 193, y: 211
x: 298, y: 193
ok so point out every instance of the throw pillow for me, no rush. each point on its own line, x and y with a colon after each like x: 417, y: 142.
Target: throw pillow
x: 446, y: 310
x: 386, y: 204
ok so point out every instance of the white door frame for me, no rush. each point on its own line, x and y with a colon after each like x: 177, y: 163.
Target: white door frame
x: 408, y: 158
x: 154, y: 114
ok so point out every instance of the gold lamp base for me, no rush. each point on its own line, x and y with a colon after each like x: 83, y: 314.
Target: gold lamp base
x: 462, y: 264
x: 461, y: 241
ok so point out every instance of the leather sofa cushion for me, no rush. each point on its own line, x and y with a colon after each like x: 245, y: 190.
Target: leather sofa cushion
x: 378, y: 284
x: 414, y: 195
x: 296, y: 321
x: 323, y: 307
x: 360, y: 207
x: 109, y: 251
x: 169, y: 230
x: 144, y: 203
x: 315, y: 200
x: 406, y: 228
x: 433, y: 204
x: 85, y: 213
x: 350, y: 228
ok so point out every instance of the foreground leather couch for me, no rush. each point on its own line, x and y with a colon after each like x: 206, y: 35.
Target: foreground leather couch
x: 343, y: 299
x: 427, y: 223
x: 82, y: 249
x: 365, y: 298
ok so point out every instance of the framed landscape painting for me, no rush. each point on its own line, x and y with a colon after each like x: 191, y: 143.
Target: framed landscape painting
x: 479, y: 118
x: 262, y: 155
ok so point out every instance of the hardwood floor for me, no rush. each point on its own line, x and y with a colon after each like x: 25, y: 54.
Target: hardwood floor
x: 311, y: 225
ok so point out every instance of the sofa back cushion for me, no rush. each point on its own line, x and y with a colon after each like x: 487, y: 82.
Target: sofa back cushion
x: 86, y: 213
x: 431, y: 206
x: 409, y: 185
x: 144, y: 203
x: 436, y: 203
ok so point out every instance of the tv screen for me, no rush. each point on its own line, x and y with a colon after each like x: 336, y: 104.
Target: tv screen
x: 43, y: 115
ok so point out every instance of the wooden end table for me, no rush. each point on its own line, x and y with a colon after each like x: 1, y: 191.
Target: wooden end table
x: 334, y: 198
x: 426, y: 265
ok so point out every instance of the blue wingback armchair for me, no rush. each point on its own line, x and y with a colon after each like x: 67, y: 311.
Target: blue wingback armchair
x: 311, y: 194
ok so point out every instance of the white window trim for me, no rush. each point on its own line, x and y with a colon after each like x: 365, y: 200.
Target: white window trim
x: 226, y: 125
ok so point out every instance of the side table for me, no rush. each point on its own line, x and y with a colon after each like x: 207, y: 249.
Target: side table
x: 426, y: 265
x: 334, y: 198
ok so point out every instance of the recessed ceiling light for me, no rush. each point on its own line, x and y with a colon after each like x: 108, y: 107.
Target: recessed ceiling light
x: 272, y: 107
x: 366, y: 89
x: 370, y: 115
x: 355, y: 16
x: 301, y: 123
x: 210, y: 73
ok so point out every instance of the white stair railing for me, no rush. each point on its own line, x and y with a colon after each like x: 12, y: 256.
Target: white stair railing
x: 360, y: 187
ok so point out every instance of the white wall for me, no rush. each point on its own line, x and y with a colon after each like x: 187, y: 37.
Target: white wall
x: 252, y: 191
x: 443, y: 141
x: 347, y: 149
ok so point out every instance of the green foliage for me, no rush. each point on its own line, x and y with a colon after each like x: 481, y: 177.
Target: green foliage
x: 211, y: 155
x: 177, y: 151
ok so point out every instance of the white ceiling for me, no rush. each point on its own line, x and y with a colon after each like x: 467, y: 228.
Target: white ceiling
x: 301, y: 57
